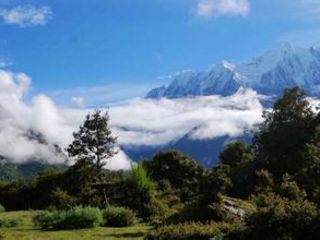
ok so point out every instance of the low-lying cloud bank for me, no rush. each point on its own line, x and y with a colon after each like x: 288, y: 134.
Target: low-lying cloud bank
x: 137, y: 122
x: 157, y: 122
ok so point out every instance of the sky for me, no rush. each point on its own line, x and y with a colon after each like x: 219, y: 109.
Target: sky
x: 117, y: 49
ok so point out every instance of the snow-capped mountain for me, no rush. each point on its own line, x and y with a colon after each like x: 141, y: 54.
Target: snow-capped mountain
x: 282, y: 67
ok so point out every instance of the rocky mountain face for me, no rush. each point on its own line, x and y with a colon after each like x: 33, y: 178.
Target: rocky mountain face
x: 279, y: 68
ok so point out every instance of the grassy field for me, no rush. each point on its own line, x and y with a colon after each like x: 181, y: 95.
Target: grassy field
x: 28, y: 232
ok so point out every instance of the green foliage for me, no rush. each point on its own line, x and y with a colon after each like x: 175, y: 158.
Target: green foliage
x: 49, y: 220
x: 183, y: 173
x: 62, y: 200
x: 93, y: 143
x: 219, y: 179
x: 76, y: 218
x: 32, y: 193
x: 191, y: 231
x: 290, y: 189
x: 141, y: 181
x: 235, y: 153
x: 143, y: 189
x: 240, y: 161
x: 264, y: 181
x: 2, y: 209
x: 279, y: 218
x: 282, y: 137
x: 119, y: 217
x: 308, y: 176
x: 159, y: 212
x: 10, y: 223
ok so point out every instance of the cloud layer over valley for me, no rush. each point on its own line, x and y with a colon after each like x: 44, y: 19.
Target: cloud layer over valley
x: 136, y: 122
x: 157, y: 122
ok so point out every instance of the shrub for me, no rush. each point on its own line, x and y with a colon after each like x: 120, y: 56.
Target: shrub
x: 159, y: 212
x: 290, y: 189
x: 191, y: 231
x: 76, y: 218
x: 280, y: 218
x: 10, y: 223
x: 119, y: 217
x: 2, y: 209
x: 49, y: 220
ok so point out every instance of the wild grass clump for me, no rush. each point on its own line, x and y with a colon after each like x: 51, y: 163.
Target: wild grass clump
x: 119, y: 217
x: 75, y: 218
x: 191, y: 231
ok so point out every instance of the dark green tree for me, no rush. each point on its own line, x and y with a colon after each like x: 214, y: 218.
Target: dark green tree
x: 92, y: 146
x: 183, y: 173
x: 94, y: 143
x: 219, y: 180
x: 240, y: 159
x: 235, y: 153
x: 283, y: 135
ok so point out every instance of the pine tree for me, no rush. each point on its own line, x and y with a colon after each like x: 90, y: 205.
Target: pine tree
x: 94, y: 143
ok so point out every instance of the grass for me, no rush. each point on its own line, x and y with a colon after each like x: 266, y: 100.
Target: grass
x: 28, y: 232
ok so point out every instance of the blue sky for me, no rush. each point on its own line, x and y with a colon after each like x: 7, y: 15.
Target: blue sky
x: 72, y: 47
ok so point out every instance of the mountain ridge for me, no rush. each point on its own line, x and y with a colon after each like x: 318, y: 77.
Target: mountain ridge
x: 282, y: 67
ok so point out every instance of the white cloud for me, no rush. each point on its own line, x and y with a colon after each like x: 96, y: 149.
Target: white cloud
x: 26, y: 15
x: 210, y: 8
x: 136, y: 122
x: 158, y: 122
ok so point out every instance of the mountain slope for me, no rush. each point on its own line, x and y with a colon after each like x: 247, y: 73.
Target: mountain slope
x: 205, y: 151
x: 283, y: 67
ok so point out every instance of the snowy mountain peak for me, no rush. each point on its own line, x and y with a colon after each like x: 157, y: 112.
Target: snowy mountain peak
x: 282, y: 67
x: 225, y: 65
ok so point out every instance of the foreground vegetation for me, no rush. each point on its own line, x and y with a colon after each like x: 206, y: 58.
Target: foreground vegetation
x: 269, y: 189
x: 27, y: 231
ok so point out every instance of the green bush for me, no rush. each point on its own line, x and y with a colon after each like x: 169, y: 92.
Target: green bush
x: 10, y: 223
x: 49, y: 220
x: 191, y: 231
x: 75, y: 218
x: 279, y: 218
x: 119, y: 217
x: 159, y: 212
x: 62, y: 200
x: 2, y: 209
